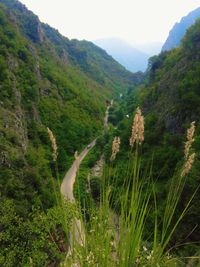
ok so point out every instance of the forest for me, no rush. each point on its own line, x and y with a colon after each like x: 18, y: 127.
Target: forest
x: 136, y: 191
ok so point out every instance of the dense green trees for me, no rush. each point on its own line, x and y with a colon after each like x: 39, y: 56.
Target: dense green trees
x: 46, y: 80
x: 38, y: 240
x: 170, y: 101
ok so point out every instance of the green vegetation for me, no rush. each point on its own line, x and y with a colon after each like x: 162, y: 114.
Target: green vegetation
x: 47, y: 80
x: 169, y: 98
x: 37, y: 240
x: 120, y: 238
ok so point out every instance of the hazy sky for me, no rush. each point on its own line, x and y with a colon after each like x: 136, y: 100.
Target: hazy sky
x: 133, y: 20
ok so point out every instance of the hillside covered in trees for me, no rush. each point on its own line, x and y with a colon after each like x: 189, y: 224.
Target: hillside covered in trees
x: 169, y: 99
x: 46, y: 80
x: 49, y: 81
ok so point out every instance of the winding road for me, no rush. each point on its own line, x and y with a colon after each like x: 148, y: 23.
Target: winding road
x: 70, y: 177
x: 77, y: 233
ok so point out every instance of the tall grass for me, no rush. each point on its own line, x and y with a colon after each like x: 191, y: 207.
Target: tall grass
x: 116, y: 238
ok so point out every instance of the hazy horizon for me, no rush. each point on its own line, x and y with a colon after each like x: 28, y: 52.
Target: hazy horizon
x: 136, y: 22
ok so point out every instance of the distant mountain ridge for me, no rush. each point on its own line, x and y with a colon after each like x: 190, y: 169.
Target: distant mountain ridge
x: 179, y: 30
x: 131, y: 58
x: 152, y: 48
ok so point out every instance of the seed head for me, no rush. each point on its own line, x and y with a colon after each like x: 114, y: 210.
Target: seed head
x: 188, y: 165
x: 115, y: 148
x: 53, y: 143
x: 190, y: 139
x: 137, y: 134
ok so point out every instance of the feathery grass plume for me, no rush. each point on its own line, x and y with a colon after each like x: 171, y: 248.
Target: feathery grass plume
x: 189, y: 159
x: 190, y: 139
x: 115, y: 147
x: 53, y: 143
x: 188, y: 165
x: 137, y: 134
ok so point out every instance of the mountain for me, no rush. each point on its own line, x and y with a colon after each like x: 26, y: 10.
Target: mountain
x: 131, y: 58
x: 46, y: 80
x: 150, y: 49
x: 50, y: 81
x: 170, y: 101
x: 179, y: 30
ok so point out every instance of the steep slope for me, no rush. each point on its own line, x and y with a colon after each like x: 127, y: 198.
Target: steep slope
x: 179, y: 30
x: 92, y: 60
x: 131, y: 58
x: 170, y: 101
x: 46, y: 80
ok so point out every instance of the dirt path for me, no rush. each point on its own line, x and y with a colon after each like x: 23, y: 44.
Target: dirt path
x: 77, y: 233
x: 70, y: 177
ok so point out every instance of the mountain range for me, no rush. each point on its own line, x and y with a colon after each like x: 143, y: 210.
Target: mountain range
x: 178, y: 31
x: 133, y: 57
x: 50, y: 81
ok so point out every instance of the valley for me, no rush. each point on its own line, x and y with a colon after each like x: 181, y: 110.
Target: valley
x: 99, y: 166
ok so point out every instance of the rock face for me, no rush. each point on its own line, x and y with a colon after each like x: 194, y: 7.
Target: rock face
x: 179, y: 30
x: 30, y: 24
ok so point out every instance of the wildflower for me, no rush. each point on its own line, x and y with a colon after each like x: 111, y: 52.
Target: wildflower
x: 137, y: 134
x: 144, y: 248
x: 90, y: 258
x: 137, y: 260
x: 168, y: 256
x: 190, y: 139
x: 149, y: 257
x: 53, y: 143
x: 188, y: 165
x: 112, y: 243
x: 115, y: 148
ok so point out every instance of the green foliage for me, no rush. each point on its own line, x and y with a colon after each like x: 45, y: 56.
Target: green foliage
x: 38, y: 240
x: 46, y: 81
x: 118, y: 238
x: 84, y: 182
x: 169, y: 99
